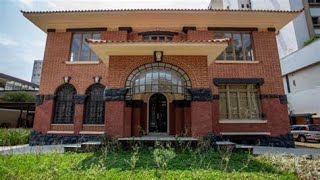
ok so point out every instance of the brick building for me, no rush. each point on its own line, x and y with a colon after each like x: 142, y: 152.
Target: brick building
x: 162, y: 72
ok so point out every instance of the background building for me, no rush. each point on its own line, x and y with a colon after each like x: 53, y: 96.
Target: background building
x: 10, y: 83
x: 36, y: 72
x: 298, y: 51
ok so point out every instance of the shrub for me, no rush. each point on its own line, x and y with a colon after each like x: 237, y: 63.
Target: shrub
x: 311, y: 40
x: 305, y: 167
x: 162, y: 156
x: 10, y: 137
x: 18, y: 96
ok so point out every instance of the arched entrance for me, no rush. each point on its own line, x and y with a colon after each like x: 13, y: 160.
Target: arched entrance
x: 156, y: 91
x: 158, y: 114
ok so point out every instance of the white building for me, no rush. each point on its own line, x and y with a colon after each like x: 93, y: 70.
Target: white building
x: 300, y: 63
x: 36, y: 72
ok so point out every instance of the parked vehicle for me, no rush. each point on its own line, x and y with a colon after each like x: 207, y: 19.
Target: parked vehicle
x: 306, y: 132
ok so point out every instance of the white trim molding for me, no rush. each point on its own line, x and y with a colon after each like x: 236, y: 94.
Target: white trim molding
x: 243, y: 121
x: 236, y: 62
x: 93, y: 125
x: 81, y: 62
x: 91, y: 132
x: 60, y: 132
x: 245, y: 133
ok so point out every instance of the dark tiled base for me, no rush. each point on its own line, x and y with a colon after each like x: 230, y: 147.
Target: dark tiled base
x: 37, y: 138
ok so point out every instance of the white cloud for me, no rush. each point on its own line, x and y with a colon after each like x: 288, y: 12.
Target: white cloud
x: 5, y: 40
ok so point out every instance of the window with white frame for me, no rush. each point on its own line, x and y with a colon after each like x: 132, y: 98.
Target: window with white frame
x: 157, y: 38
x: 80, y: 50
x: 241, y: 47
x: 239, y: 101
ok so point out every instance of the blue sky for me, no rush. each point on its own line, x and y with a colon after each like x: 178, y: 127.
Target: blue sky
x: 21, y: 42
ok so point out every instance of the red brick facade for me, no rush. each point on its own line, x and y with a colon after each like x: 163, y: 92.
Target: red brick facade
x: 198, y: 119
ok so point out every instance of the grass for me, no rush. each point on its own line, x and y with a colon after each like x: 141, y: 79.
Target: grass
x: 142, y: 164
x: 14, y: 136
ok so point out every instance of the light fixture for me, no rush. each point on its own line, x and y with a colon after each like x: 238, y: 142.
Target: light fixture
x: 158, y: 56
x: 66, y: 79
x: 97, y: 79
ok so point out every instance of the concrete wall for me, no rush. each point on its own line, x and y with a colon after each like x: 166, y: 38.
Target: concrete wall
x: 305, y: 91
x: 10, y: 116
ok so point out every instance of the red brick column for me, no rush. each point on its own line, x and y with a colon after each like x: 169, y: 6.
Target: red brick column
x: 187, y: 120
x: 201, y: 118
x: 127, y: 121
x: 215, y: 116
x: 43, y: 116
x: 277, y: 116
x: 114, y: 116
x: 78, y: 117
x: 172, y: 124
x: 179, y: 117
x: 136, y: 118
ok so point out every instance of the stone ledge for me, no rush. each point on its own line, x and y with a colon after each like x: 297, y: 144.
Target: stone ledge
x: 245, y: 133
x: 60, y: 132
x: 92, y: 132
x: 239, y: 121
x: 236, y: 62
x: 81, y: 62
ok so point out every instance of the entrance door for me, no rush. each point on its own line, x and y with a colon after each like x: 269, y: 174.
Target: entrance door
x: 158, y: 114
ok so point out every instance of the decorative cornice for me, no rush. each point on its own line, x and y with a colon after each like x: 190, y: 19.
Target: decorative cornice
x: 135, y: 103
x: 269, y: 96
x: 215, y: 97
x: 51, y: 30
x: 181, y: 103
x: 49, y: 97
x: 185, y: 29
x: 115, y: 94
x: 201, y: 94
x: 86, y: 29
x: 169, y: 33
x: 39, y: 100
x: 258, y: 81
x: 232, y: 29
x: 272, y: 29
x: 79, y: 99
x: 128, y: 29
x: 283, y: 98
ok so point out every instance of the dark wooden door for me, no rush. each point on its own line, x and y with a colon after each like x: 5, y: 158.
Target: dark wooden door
x: 158, y: 113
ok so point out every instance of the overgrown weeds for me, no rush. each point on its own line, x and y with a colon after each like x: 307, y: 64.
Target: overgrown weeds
x: 161, y: 161
x: 14, y: 136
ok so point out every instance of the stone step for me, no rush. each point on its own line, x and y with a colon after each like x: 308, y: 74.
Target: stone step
x: 225, y: 145
x: 91, y: 146
x: 244, y: 148
x: 72, y: 148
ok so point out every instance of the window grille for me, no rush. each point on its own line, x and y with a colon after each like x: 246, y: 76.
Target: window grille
x: 64, y: 104
x: 94, y: 105
x: 158, y: 77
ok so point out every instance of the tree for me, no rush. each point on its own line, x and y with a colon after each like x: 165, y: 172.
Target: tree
x: 18, y: 96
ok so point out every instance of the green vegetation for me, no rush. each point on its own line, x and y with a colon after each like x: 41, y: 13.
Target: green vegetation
x: 18, y: 96
x: 141, y: 164
x: 311, y: 40
x: 11, y: 136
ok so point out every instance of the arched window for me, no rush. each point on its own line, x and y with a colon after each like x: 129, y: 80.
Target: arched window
x: 64, y: 104
x: 94, y: 105
x: 158, y: 77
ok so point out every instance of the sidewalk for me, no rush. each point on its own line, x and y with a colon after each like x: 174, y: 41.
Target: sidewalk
x: 26, y: 149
